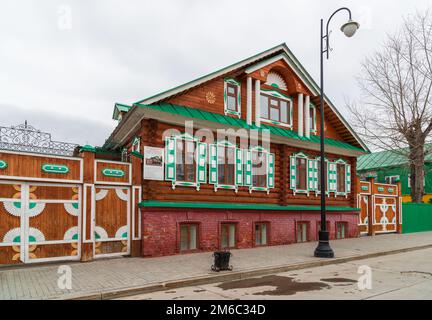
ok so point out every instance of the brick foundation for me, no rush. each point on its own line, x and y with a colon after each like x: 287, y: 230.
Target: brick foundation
x: 161, y: 227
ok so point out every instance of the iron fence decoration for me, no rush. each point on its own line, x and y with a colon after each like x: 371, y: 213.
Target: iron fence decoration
x: 27, y: 138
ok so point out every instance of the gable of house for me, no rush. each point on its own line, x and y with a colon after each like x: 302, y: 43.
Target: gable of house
x: 274, y: 73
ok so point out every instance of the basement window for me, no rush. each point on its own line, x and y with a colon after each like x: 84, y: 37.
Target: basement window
x: 188, y: 237
x: 341, y: 228
x: 261, y: 234
x: 228, y: 235
x: 302, y: 231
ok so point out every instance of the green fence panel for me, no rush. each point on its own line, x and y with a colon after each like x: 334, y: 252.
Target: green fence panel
x: 416, y: 217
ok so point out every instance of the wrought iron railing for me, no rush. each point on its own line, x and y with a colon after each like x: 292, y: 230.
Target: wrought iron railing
x: 27, y: 138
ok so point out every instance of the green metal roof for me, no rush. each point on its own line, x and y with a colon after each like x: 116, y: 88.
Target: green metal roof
x: 384, y: 159
x: 118, y: 107
x: 230, y: 121
x: 238, y: 206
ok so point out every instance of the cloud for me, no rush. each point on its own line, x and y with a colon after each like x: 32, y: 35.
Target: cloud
x: 124, y: 51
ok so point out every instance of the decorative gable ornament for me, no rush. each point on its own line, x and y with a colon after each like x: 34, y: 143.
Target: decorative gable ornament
x: 274, y: 79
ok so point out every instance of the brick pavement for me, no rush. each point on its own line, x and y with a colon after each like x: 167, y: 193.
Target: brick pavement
x: 40, y: 281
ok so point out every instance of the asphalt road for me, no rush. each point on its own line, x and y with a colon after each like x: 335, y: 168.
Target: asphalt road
x: 399, y: 276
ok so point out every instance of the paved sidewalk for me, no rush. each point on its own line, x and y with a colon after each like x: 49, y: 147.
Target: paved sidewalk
x: 108, y: 278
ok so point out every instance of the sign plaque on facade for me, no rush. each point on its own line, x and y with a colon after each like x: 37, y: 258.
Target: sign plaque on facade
x: 153, y: 163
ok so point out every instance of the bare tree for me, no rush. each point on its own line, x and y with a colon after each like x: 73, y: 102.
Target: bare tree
x: 395, y: 112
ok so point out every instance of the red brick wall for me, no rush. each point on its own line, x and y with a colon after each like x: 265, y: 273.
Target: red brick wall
x: 160, y: 227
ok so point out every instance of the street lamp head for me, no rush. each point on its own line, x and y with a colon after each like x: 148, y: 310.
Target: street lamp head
x: 350, y: 28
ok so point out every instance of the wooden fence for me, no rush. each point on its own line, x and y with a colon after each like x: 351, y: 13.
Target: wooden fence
x: 67, y: 208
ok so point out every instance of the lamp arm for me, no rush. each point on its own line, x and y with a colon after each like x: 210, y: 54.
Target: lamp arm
x: 326, y: 36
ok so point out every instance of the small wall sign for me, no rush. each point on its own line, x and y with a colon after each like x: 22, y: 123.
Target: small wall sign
x: 115, y: 173
x: 55, y: 168
x: 153, y: 163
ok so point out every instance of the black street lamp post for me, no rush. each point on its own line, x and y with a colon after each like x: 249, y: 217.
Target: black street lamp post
x: 323, y: 250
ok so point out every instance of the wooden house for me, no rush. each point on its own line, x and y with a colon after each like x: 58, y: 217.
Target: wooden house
x: 240, y: 150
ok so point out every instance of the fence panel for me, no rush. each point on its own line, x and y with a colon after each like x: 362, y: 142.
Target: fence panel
x: 417, y: 217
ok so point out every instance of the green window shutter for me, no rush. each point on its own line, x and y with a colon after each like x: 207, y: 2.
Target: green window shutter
x: 316, y: 175
x: 348, y: 178
x: 331, y: 176
x: 248, y: 168
x: 293, y: 171
x: 311, y: 175
x: 213, y: 178
x: 270, y: 170
x: 170, y: 158
x: 201, y: 162
x: 239, y: 167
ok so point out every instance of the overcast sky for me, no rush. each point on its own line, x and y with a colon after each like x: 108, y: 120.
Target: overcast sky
x: 63, y: 64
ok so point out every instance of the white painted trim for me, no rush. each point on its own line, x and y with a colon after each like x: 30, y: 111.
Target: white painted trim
x: 24, y: 223
x: 385, y: 184
x: 300, y: 114
x: 96, y: 181
x: 307, y: 116
x: 63, y: 258
x: 110, y: 255
x: 53, y: 201
x: 93, y: 214
x: 134, y: 206
x: 9, y: 199
x: 257, y: 102
x: 9, y: 244
x: 20, y: 178
x: 110, y: 239
x: 249, y: 100
x: 66, y: 185
x: 48, y: 242
x: 278, y: 123
x: 84, y: 210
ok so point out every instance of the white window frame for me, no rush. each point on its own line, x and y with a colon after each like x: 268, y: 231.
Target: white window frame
x: 228, y: 111
x: 214, y: 166
x: 281, y: 96
x: 270, y: 174
x: 313, y: 130
x: 293, y: 173
x: 347, y: 180
x: 200, y: 160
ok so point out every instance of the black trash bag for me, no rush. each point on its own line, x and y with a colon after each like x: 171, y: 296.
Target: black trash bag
x: 221, y: 261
